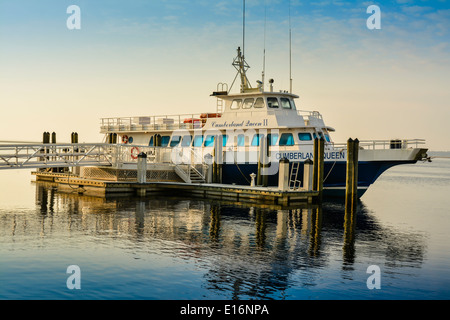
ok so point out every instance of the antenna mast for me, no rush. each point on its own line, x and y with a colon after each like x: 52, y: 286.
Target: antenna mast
x: 241, y: 66
x: 239, y: 62
x: 243, y: 30
x: 290, y: 50
x: 264, y: 51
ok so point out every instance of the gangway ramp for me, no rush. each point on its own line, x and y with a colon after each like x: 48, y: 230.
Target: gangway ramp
x: 32, y: 156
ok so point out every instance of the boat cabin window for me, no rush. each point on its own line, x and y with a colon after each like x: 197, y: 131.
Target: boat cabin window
x: 165, y: 141
x: 318, y: 137
x: 327, y: 137
x: 256, y: 139
x: 286, y: 103
x: 248, y: 103
x: 150, y: 143
x: 272, y: 102
x: 186, y: 142
x: 304, y: 136
x: 224, y: 139
x: 198, y: 141
x: 273, y: 138
x: 241, y: 140
x: 175, y: 141
x: 286, y: 139
x: 293, y: 105
x: 259, y: 103
x: 236, y: 104
x: 209, y: 141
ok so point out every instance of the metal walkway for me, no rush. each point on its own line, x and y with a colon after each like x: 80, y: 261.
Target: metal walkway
x: 116, y: 156
x: 29, y: 156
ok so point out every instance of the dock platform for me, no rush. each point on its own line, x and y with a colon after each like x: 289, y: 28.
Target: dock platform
x: 70, y: 183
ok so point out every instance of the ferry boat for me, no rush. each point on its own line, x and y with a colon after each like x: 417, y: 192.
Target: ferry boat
x: 240, y: 123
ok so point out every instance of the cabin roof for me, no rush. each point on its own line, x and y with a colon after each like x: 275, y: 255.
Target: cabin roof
x: 226, y: 96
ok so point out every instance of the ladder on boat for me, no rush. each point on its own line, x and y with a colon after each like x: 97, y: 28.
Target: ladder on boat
x: 221, y: 88
x: 294, y: 183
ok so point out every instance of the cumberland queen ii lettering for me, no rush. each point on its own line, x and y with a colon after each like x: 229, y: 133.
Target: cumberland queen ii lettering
x: 333, y: 155
x: 240, y: 124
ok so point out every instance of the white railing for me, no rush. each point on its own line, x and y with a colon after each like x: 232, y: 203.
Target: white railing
x: 386, y: 144
x: 17, y: 156
x: 314, y: 114
x: 166, y: 122
x: 23, y: 156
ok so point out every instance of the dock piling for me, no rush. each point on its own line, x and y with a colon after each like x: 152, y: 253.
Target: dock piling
x: 46, y: 137
x: 217, y: 159
x: 315, y: 163
x: 308, y: 175
x: 283, y: 175
x: 351, y: 191
x: 141, y: 173
x: 74, y: 137
x: 142, y: 168
x: 263, y: 161
x: 320, y: 166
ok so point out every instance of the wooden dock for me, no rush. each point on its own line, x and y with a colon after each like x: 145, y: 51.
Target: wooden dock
x: 70, y: 183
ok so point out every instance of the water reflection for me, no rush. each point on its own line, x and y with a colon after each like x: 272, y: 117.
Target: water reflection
x: 244, y: 250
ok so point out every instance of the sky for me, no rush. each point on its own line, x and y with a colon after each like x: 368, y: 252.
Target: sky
x: 137, y: 58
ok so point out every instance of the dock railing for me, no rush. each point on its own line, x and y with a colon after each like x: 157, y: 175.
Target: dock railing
x: 34, y: 156
x: 386, y: 144
x: 22, y: 156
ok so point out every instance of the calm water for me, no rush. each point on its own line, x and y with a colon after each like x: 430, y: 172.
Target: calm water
x: 162, y: 248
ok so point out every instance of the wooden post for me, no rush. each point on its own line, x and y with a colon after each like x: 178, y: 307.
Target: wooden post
x: 265, y: 159
x: 351, y: 198
x: 351, y: 191
x: 142, y: 168
x: 54, y: 151
x: 260, y: 164
x: 141, y: 173
x: 315, y: 163
x: 209, y: 160
x: 214, y: 164
x: 74, y: 137
x: 219, y: 139
x: 218, y: 159
x: 320, y: 166
x: 308, y: 175
x: 46, y: 137
x: 283, y: 174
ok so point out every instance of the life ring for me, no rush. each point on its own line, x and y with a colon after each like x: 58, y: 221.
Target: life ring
x: 125, y: 139
x: 133, y: 155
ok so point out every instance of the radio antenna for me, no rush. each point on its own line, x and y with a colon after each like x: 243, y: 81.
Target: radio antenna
x: 243, y: 30
x: 290, y: 50
x: 264, y: 51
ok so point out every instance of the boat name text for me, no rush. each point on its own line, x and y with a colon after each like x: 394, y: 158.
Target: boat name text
x: 241, y: 124
x: 334, y: 155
